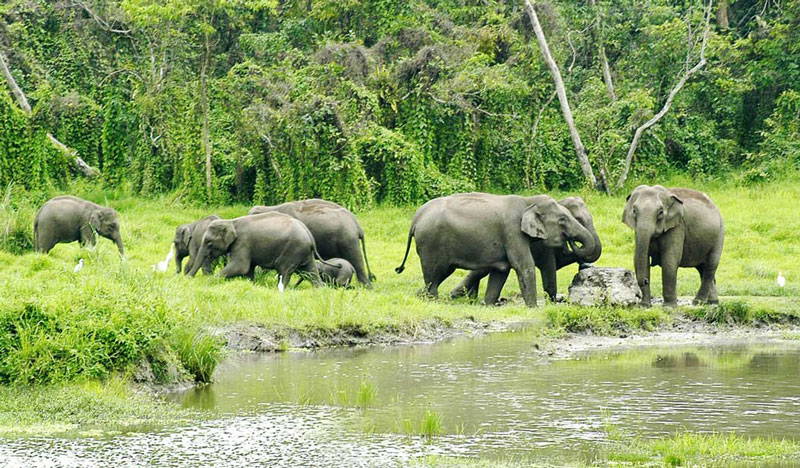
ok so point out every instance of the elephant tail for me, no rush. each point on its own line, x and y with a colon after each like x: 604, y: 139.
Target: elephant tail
x: 364, y: 251
x: 408, y: 247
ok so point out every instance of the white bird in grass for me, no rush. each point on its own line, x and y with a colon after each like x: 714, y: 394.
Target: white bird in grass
x: 78, y: 267
x: 280, y: 283
x: 162, y: 266
x: 781, y: 280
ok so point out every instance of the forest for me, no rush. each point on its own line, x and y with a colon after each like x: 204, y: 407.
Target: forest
x: 378, y: 101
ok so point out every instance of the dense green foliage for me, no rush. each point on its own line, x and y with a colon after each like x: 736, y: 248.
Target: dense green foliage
x: 376, y: 100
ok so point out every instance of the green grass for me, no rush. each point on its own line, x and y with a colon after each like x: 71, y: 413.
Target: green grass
x: 85, y: 408
x: 682, y: 449
x: 117, y: 316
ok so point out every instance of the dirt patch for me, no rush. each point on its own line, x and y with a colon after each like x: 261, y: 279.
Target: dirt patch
x: 260, y: 338
x: 681, y: 332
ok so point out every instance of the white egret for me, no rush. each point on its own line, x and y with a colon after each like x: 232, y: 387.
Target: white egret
x: 78, y: 267
x: 280, y: 283
x: 781, y: 280
x: 162, y: 266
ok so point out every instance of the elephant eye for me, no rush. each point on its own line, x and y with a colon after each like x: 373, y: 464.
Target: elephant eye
x: 661, y: 213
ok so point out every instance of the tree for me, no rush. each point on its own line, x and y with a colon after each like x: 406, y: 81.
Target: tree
x: 688, y: 73
x: 580, y: 150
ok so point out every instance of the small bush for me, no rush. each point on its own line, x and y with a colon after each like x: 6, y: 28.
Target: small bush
x: 199, y: 353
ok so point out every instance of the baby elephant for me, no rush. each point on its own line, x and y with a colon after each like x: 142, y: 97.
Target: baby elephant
x: 675, y: 227
x: 69, y: 219
x: 335, y: 272
x: 187, y: 243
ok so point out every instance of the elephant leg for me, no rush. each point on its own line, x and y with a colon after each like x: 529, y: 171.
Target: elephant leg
x: 179, y: 262
x: 521, y: 261
x: 549, y: 276
x: 434, y: 276
x: 708, y: 285
x: 309, y: 269
x: 497, y: 279
x: 239, y: 265
x: 87, y: 236
x: 351, y: 252
x: 669, y: 282
x: 470, y: 284
x: 208, y: 269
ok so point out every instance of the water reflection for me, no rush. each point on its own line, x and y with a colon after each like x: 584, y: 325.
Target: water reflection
x: 496, y: 397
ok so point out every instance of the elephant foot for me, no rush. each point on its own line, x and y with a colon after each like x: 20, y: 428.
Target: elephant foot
x: 645, y: 304
x: 671, y: 304
x: 458, y: 292
x: 501, y: 301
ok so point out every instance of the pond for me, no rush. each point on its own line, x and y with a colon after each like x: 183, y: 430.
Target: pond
x: 490, y: 397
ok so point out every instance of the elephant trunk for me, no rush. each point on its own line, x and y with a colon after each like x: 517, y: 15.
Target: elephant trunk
x: 117, y: 238
x: 641, y: 262
x: 598, y: 247
x: 179, y: 256
x: 198, y: 262
x: 586, y: 240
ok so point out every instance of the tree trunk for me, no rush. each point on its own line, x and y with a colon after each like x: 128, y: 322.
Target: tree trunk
x: 637, y: 136
x: 80, y: 164
x: 722, y: 14
x: 580, y: 150
x: 204, y: 105
x: 601, y: 51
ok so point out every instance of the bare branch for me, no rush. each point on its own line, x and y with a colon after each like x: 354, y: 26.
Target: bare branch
x: 580, y: 150
x: 678, y: 86
x: 82, y: 166
x: 100, y: 21
x: 601, y: 51
x: 86, y: 169
x: 21, y: 99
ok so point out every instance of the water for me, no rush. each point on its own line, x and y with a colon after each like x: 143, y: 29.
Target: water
x: 495, y: 396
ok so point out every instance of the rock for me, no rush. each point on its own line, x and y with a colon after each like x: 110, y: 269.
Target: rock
x: 605, y: 286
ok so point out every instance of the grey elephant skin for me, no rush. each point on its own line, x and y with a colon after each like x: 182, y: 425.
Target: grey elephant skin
x: 480, y: 231
x: 675, y: 227
x: 269, y: 240
x: 187, y: 243
x: 548, y: 260
x: 336, y: 272
x: 69, y: 219
x: 336, y: 231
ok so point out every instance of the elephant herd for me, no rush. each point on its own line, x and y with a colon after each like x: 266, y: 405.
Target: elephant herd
x: 489, y: 235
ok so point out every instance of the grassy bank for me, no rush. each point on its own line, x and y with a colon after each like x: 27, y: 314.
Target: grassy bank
x: 117, y: 316
x: 682, y: 449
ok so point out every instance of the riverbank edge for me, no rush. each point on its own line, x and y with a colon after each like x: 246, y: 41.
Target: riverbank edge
x: 671, y: 327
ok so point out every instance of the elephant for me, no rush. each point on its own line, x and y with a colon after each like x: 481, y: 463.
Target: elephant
x: 481, y: 231
x: 68, y: 219
x: 187, y: 242
x: 336, y: 231
x: 269, y: 240
x: 335, y: 272
x: 675, y: 227
x: 547, y: 259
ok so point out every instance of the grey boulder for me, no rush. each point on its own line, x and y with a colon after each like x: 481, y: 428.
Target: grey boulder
x: 605, y: 286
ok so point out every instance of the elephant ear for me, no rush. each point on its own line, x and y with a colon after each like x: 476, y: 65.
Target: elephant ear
x: 627, y: 214
x: 532, y: 224
x: 184, y: 236
x: 95, y: 220
x: 674, y: 214
x: 227, y: 234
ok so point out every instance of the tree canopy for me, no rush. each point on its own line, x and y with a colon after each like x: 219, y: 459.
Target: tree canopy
x: 364, y: 101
